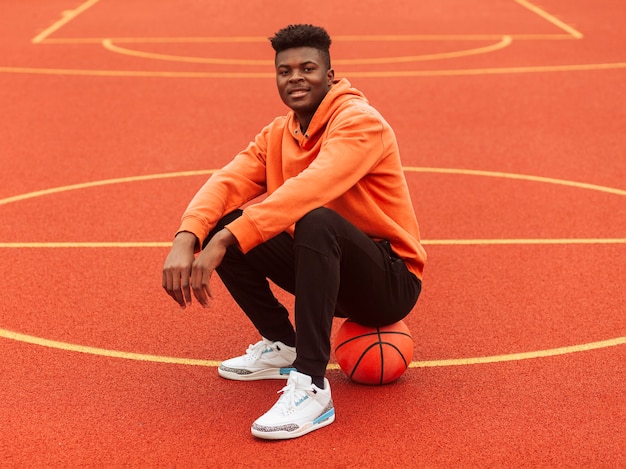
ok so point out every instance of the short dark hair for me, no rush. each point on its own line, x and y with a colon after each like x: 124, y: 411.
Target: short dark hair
x: 302, y: 35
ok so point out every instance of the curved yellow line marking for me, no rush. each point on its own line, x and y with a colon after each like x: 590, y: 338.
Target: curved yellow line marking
x: 29, y: 339
x: 414, y: 169
x: 111, y: 47
x: 144, y: 357
x: 440, y: 242
x: 360, y: 74
x: 521, y: 356
x: 505, y: 41
x: 524, y: 177
x: 104, y: 182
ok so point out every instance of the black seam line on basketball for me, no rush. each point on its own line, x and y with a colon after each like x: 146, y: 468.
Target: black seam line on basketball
x: 367, y: 334
x: 356, y: 365
x: 382, y: 357
x: 397, y: 350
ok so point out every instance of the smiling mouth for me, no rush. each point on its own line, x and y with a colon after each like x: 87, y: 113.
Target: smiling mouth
x: 297, y: 93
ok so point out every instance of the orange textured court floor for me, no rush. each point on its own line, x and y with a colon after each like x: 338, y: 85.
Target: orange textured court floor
x: 511, y: 119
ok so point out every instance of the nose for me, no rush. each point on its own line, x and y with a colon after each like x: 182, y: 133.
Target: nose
x: 295, y: 77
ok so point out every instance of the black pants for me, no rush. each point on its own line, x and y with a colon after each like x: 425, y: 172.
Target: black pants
x: 332, y: 268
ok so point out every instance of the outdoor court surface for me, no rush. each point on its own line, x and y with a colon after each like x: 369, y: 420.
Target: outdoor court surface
x: 511, y: 120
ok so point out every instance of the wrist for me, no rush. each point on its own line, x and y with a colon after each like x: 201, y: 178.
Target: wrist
x: 226, y: 237
x: 186, y: 238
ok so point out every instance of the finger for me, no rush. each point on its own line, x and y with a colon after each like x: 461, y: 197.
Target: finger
x: 176, y: 292
x: 186, y: 290
x: 183, y: 293
x: 167, y: 283
x: 172, y: 284
x: 164, y: 282
x: 206, y: 284
x: 198, y: 288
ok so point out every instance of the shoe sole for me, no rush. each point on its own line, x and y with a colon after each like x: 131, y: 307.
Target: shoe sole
x: 242, y: 375
x: 321, y: 422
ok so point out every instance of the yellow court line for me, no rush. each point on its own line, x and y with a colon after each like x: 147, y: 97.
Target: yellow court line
x: 520, y: 356
x: 447, y: 37
x: 104, y: 182
x: 489, y: 71
x: 110, y: 46
x: 430, y: 242
x: 503, y: 42
x: 67, y: 17
x: 29, y: 339
x: 414, y: 169
x: 133, y: 73
x: 359, y: 74
x: 521, y: 241
x: 336, y: 39
x: 548, y: 17
x: 86, y: 245
x: 524, y: 177
x: 72, y: 14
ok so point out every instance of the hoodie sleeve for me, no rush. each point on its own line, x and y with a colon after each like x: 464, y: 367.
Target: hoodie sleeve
x: 240, y: 181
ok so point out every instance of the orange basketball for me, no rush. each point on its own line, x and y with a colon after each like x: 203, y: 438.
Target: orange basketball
x: 373, y: 355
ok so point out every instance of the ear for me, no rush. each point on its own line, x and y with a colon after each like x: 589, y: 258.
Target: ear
x: 330, y: 76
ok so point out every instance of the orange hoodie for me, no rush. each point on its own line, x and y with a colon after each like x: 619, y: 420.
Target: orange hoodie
x: 348, y: 161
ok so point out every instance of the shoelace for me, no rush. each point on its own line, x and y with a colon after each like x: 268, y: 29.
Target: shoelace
x: 254, y: 351
x: 291, y: 396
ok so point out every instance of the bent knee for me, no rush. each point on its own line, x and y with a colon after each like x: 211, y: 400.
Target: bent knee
x: 317, y: 218
x: 317, y: 227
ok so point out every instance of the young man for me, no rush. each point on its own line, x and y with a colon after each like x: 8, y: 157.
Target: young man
x: 337, y: 229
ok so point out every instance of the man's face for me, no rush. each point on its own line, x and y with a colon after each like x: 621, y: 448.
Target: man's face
x: 303, y: 79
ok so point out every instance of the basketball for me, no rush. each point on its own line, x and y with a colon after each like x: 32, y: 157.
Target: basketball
x: 373, y: 355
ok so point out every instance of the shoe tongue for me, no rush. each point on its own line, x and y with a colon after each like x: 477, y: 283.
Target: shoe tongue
x: 300, y: 379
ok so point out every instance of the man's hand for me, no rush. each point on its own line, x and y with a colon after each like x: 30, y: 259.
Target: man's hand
x: 177, y: 268
x: 182, y: 274
x: 208, y: 260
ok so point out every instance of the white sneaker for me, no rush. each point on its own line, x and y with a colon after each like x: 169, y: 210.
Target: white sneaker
x: 302, y: 408
x: 263, y: 360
